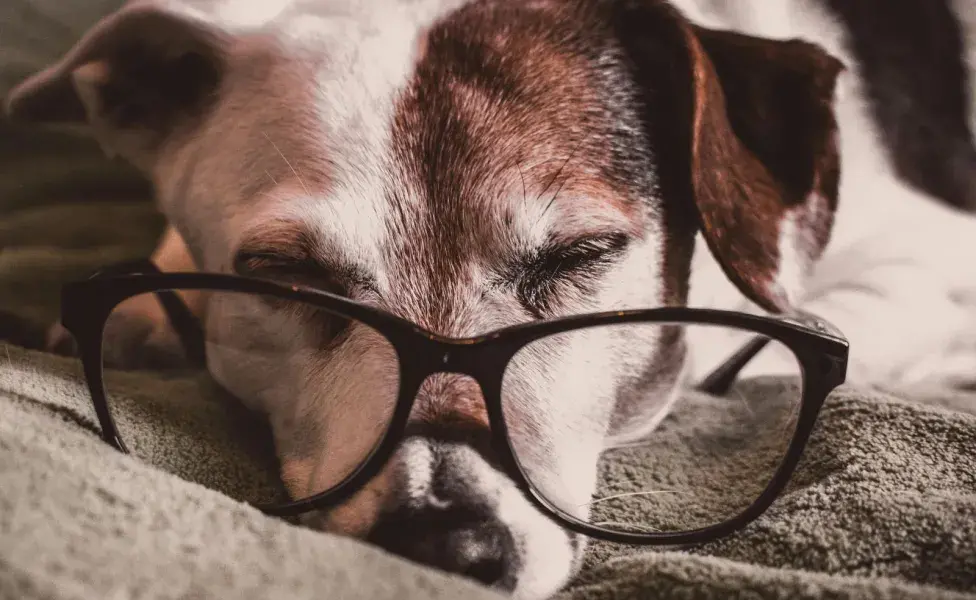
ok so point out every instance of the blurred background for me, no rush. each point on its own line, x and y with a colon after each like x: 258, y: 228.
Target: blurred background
x: 65, y: 208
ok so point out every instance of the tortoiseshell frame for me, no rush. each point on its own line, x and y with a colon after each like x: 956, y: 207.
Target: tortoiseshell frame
x: 820, y: 348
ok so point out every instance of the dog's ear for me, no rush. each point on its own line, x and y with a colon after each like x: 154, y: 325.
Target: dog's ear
x: 746, y: 134
x: 135, y: 78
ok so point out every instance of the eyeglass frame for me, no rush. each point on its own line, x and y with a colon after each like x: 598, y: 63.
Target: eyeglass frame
x: 820, y: 349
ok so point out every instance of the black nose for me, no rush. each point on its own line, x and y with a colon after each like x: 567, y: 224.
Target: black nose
x: 456, y: 540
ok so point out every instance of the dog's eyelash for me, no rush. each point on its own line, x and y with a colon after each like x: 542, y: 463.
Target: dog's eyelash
x: 585, y: 253
x: 304, y: 271
x: 327, y: 326
x: 542, y: 274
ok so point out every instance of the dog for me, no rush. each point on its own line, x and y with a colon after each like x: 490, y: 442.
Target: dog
x: 440, y: 159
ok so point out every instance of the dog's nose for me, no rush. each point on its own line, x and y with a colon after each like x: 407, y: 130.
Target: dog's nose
x: 452, y: 539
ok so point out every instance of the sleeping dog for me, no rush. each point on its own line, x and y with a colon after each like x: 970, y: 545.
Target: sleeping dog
x: 471, y: 164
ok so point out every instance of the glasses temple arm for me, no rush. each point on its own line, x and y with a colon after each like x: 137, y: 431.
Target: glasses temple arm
x: 719, y: 381
x: 187, y: 326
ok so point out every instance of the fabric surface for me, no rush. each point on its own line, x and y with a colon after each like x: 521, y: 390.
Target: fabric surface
x: 883, y: 504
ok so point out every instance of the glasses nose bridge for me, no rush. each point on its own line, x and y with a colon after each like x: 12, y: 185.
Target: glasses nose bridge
x: 468, y: 360
x: 453, y: 358
x: 483, y: 360
x: 445, y: 392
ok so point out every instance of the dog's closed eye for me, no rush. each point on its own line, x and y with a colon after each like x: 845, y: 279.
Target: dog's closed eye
x: 327, y: 327
x: 288, y: 255
x: 287, y: 267
x: 540, y: 276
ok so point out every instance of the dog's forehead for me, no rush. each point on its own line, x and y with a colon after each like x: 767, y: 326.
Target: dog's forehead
x: 451, y: 128
x: 516, y: 101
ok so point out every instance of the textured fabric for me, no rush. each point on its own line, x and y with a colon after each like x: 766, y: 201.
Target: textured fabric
x: 882, y: 506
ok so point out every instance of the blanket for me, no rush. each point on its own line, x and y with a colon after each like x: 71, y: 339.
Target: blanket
x: 883, y: 504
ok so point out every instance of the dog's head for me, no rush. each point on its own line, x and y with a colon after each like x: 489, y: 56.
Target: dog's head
x: 465, y: 165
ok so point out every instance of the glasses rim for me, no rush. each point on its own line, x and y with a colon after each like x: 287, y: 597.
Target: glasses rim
x: 109, y: 287
x: 820, y: 349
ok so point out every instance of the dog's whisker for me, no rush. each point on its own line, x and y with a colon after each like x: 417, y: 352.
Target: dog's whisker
x: 563, y: 182
x: 287, y: 162
x: 629, y: 495
x: 556, y: 178
x: 738, y: 395
x: 545, y: 161
x: 637, y: 444
x: 271, y: 177
x: 559, y: 171
x: 632, y: 526
x: 522, y: 177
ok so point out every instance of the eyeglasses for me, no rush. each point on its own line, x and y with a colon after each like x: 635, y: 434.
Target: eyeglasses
x: 714, y: 464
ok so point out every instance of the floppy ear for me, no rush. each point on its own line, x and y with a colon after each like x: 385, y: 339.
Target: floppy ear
x: 135, y: 78
x: 746, y: 134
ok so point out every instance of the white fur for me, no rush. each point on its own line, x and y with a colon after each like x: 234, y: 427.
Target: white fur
x: 547, y: 554
x: 790, y: 275
x: 371, y: 56
x: 418, y: 471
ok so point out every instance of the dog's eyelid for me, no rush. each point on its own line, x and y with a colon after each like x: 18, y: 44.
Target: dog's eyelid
x: 538, y: 276
x: 255, y: 261
x: 558, y: 255
x: 593, y: 247
x: 312, y: 271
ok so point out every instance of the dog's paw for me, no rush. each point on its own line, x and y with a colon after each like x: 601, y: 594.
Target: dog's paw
x: 137, y: 335
x: 140, y: 337
x: 59, y: 341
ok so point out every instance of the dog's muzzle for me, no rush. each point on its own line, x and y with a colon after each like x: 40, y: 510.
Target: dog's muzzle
x: 456, y: 539
x: 446, y: 514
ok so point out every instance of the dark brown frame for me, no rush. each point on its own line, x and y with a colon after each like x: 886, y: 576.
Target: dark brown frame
x: 821, y: 350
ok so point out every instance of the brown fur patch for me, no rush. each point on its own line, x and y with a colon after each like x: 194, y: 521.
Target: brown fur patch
x: 451, y: 400
x: 750, y: 137
x: 763, y: 142
x: 509, y: 101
